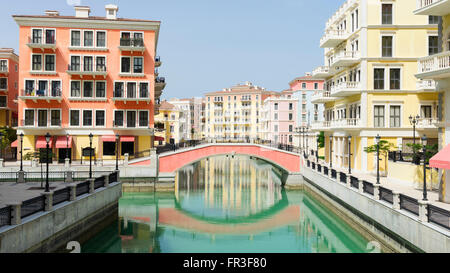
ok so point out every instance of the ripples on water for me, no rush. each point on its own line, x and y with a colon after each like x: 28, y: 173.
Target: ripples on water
x: 225, y: 204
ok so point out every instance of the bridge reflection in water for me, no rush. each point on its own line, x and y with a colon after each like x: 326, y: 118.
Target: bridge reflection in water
x: 225, y: 204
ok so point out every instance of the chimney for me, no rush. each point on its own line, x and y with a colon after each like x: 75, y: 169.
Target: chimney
x: 111, y: 11
x: 82, y: 11
x: 52, y: 13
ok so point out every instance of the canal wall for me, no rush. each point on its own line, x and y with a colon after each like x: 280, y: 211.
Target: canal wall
x: 395, y: 230
x: 49, y: 231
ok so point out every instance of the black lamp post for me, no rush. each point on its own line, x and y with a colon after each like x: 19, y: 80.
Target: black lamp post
x: 377, y: 141
x: 21, y: 152
x: 47, y: 139
x: 331, y: 151
x: 424, y: 144
x: 90, y: 155
x: 1, y: 145
x: 67, y: 145
x: 349, y: 155
x: 413, y: 121
x: 117, y: 152
x: 317, y: 148
x: 307, y: 140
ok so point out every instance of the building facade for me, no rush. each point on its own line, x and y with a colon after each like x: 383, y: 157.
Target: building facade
x: 371, y: 51
x: 436, y: 67
x: 192, y: 117
x: 88, y: 74
x: 9, y: 86
x: 170, y: 121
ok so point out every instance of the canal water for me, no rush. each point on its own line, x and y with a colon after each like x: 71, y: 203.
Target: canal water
x: 229, y: 205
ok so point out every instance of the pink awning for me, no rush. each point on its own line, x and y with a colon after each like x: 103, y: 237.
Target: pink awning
x: 61, y: 142
x: 41, y: 143
x: 127, y: 139
x: 442, y: 159
x: 109, y: 138
x: 15, y: 143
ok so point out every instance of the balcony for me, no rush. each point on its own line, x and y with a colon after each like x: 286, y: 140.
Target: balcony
x: 346, y: 89
x: 41, y: 43
x: 322, y: 97
x: 346, y: 58
x: 160, y: 83
x: 426, y: 85
x: 434, y: 67
x: 129, y: 125
x: 349, y: 124
x: 246, y: 98
x: 433, y: 7
x: 158, y: 61
x: 119, y: 95
x: 38, y: 125
x: 132, y: 44
x: 427, y: 123
x: 333, y: 38
x: 87, y: 70
x: 322, y: 72
x: 39, y: 95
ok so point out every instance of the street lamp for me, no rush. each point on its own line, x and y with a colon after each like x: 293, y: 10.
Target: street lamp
x: 21, y: 152
x: 413, y: 121
x: 377, y: 141
x: 317, y: 148
x: 67, y: 146
x: 90, y: 155
x: 1, y: 144
x: 117, y: 152
x: 424, y: 144
x: 331, y: 151
x: 307, y: 140
x: 47, y: 139
x: 349, y: 155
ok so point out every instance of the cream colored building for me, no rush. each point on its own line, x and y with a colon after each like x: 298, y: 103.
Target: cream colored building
x: 371, y: 56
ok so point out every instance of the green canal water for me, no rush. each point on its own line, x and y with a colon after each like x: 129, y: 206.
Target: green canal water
x: 228, y: 205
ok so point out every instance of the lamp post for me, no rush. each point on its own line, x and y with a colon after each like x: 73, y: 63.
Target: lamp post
x: 47, y: 139
x: 317, y: 148
x: 117, y: 152
x: 377, y: 141
x: 307, y: 140
x: 413, y: 121
x: 424, y: 144
x: 21, y: 152
x: 90, y: 155
x: 349, y: 155
x: 67, y: 146
x: 331, y: 151
x: 1, y: 145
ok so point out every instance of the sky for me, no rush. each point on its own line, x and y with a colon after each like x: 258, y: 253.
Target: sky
x: 208, y: 45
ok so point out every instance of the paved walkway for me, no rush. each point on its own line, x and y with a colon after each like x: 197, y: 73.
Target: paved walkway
x: 395, y: 185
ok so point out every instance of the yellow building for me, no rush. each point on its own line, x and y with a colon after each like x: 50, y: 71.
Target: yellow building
x: 371, y: 52
x: 235, y: 113
x: 437, y: 67
x: 167, y: 123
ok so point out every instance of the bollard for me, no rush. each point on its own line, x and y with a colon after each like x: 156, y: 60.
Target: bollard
x: 16, y: 216
x: 396, y: 199
x: 338, y: 176
x: 69, y: 176
x: 106, y: 181
x: 361, y: 186
x: 125, y: 161
x: 376, y: 191
x: 349, y: 181
x: 20, y: 177
x: 73, y: 192
x: 48, y: 200
x: 67, y: 163
x: 91, y: 185
x: 423, y: 211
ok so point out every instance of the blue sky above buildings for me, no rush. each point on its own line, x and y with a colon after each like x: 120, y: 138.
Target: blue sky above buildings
x: 207, y: 45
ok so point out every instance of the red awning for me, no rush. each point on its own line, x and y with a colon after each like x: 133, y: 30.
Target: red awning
x: 442, y: 159
x: 41, y: 143
x: 127, y: 139
x: 61, y: 142
x: 109, y: 138
x: 158, y: 138
x: 15, y: 143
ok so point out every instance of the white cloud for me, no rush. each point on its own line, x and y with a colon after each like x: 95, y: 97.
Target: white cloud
x: 73, y: 2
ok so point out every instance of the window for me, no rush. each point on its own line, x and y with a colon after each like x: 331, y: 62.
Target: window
x: 433, y: 20
x: 275, y: 129
x: 386, y: 50
x: 49, y: 62
x: 316, y: 85
x: 3, y: 101
x: 87, y: 117
x: 88, y: 38
x: 395, y: 117
x: 75, y: 89
x: 126, y: 65
x: 276, y: 106
x: 88, y: 89
x: 143, y: 90
x: 118, y: 118
x: 55, y: 117
x: 42, y: 88
x: 75, y: 39
x: 291, y: 106
x: 109, y: 148
x: 100, y: 63
x: 290, y: 116
x: 88, y: 63
x: 101, y: 39
x: 425, y: 111
x: 37, y: 36
x: 303, y: 85
x: 42, y: 118
x: 394, y: 79
x: 433, y: 45
x: 138, y: 61
x: 100, y: 118
x: 75, y: 63
x: 119, y: 90
x: 131, y: 90
x: 379, y: 116
x: 143, y: 119
x: 4, y: 83
x: 386, y: 14
x: 100, y: 89
x: 4, y: 65
x: 56, y: 88
x: 29, y: 117
x: 131, y: 119
x: 37, y: 62
x: 74, y: 117
x: 378, y: 78
x: 50, y: 36
x: 291, y: 128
